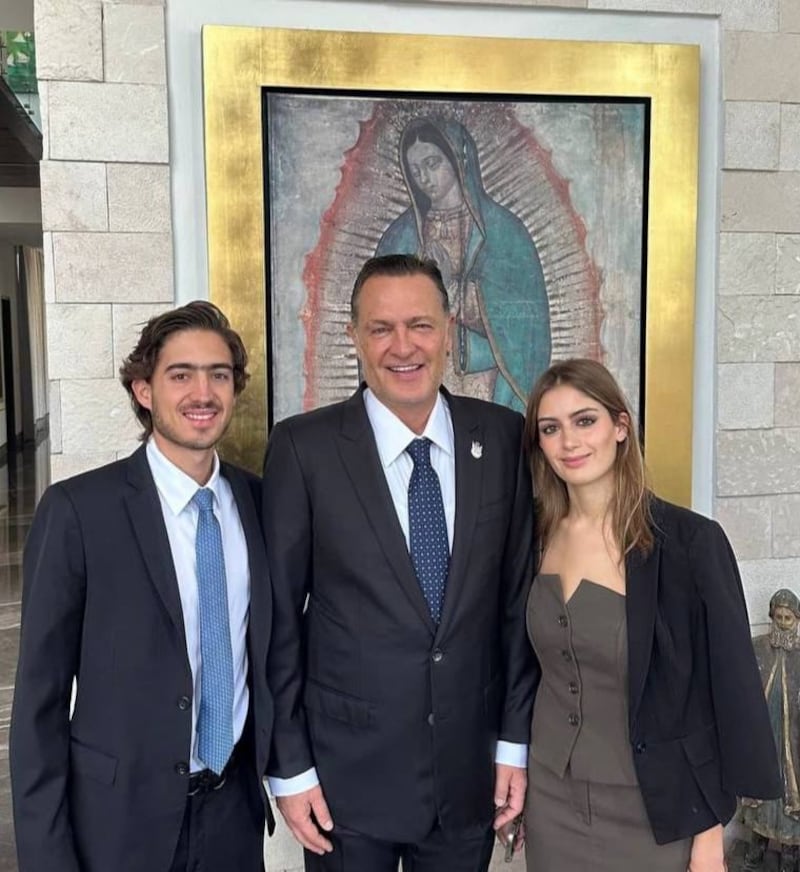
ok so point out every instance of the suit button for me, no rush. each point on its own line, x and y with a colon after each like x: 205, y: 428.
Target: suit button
x: 566, y: 655
x: 574, y: 719
x: 640, y: 747
x: 182, y: 768
x: 183, y: 703
x: 573, y: 688
x: 562, y: 621
x: 431, y: 719
x: 437, y: 655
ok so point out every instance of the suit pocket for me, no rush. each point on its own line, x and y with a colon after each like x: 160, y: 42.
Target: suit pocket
x: 701, y: 746
x: 337, y: 705
x: 91, y: 763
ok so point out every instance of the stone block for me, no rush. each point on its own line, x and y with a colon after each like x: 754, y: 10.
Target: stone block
x: 761, y: 66
x: 786, y: 528
x: 73, y: 196
x: 758, y: 329
x: 66, y: 465
x: 787, y: 395
x: 134, y: 44
x: 752, y: 135
x: 54, y: 405
x: 761, y: 202
x: 787, y: 271
x: 761, y: 578
x: 757, y: 462
x: 790, y: 16
x: 69, y: 39
x: 79, y: 341
x: 760, y: 15
x: 113, y: 267
x: 745, y: 394
x: 748, y: 524
x: 96, y: 416
x: 746, y: 263
x: 139, y: 198
x: 108, y: 122
x: 128, y: 321
x: 790, y: 137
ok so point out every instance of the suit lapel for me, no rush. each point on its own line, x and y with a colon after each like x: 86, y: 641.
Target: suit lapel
x: 360, y: 457
x: 641, y: 604
x: 147, y: 520
x: 467, y: 432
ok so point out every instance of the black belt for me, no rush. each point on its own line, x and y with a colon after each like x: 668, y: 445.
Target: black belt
x: 207, y: 780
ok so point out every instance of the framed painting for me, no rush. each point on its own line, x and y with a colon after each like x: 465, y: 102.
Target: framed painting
x: 554, y: 183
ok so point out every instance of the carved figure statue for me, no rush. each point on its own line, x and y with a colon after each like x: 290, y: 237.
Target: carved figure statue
x: 778, y: 655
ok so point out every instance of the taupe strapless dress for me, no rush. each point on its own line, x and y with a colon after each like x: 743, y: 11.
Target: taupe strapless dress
x: 584, y: 810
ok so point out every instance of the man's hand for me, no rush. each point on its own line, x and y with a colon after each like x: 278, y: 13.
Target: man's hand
x: 510, y: 783
x: 305, y: 814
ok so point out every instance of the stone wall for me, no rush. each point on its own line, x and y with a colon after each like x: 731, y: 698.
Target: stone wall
x: 105, y: 212
x: 107, y: 240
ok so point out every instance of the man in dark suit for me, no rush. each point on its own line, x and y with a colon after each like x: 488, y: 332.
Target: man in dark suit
x: 146, y: 584
x: 400, y: 526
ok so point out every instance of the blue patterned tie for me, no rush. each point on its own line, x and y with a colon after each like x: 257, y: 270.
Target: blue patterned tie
x: 215, y: 720
x: 427, y: 527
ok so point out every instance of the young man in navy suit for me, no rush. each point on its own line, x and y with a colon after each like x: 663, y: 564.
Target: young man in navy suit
x: 146, y: 585
x: 400, y: 525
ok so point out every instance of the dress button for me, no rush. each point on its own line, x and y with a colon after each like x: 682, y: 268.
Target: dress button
x: 640, y: 747
x: 573, y: 688
x: 574, y: 719
x: 182, y: 768
x: 562, y: 621
x: 437, y: 655
x: 183, y: 703
x: 431, y: 719
x: 566, y: 655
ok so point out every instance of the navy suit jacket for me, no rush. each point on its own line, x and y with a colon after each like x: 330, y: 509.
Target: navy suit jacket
x: 399, y: 716
x: 106, y: 789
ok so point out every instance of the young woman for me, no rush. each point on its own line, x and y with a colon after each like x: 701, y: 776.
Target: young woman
x: 649, y: 717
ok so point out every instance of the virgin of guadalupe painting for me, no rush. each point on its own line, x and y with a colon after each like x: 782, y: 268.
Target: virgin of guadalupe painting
x: 532, y: 210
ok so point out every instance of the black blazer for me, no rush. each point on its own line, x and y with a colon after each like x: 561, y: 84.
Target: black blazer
x: 699, y: 726
x: 106, y: 790
x: 399, y: 717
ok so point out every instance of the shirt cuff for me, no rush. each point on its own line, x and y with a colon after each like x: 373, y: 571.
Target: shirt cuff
x: 296, y: 784
x: 511, y: 754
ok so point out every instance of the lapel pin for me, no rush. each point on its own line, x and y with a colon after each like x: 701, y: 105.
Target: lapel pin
x: 477, y: 450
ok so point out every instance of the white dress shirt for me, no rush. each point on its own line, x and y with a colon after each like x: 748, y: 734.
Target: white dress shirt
x: 175, y: 492
x: 392, y: 437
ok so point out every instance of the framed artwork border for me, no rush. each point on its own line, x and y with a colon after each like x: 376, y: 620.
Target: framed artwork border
x: 238, y: 62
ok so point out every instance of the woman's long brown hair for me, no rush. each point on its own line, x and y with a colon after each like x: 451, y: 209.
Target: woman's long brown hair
x: 631, y: 521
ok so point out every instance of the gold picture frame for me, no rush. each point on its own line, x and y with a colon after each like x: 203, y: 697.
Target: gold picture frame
x: 238, y: 62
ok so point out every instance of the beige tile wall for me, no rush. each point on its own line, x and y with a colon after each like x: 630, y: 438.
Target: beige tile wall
x: 108, y: 255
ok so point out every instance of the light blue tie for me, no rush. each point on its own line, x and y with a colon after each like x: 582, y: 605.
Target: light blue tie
x: 427, y: 527
x: 215, y: 720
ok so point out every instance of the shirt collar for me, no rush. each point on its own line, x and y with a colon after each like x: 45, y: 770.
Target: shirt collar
x: 175, y: 486
x: 392, y: 436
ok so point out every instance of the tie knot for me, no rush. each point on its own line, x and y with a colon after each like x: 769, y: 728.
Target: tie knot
x: 204, y: 499
x: 420, y: 451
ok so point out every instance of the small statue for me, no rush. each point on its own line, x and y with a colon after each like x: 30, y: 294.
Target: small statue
x: 778, y: 655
